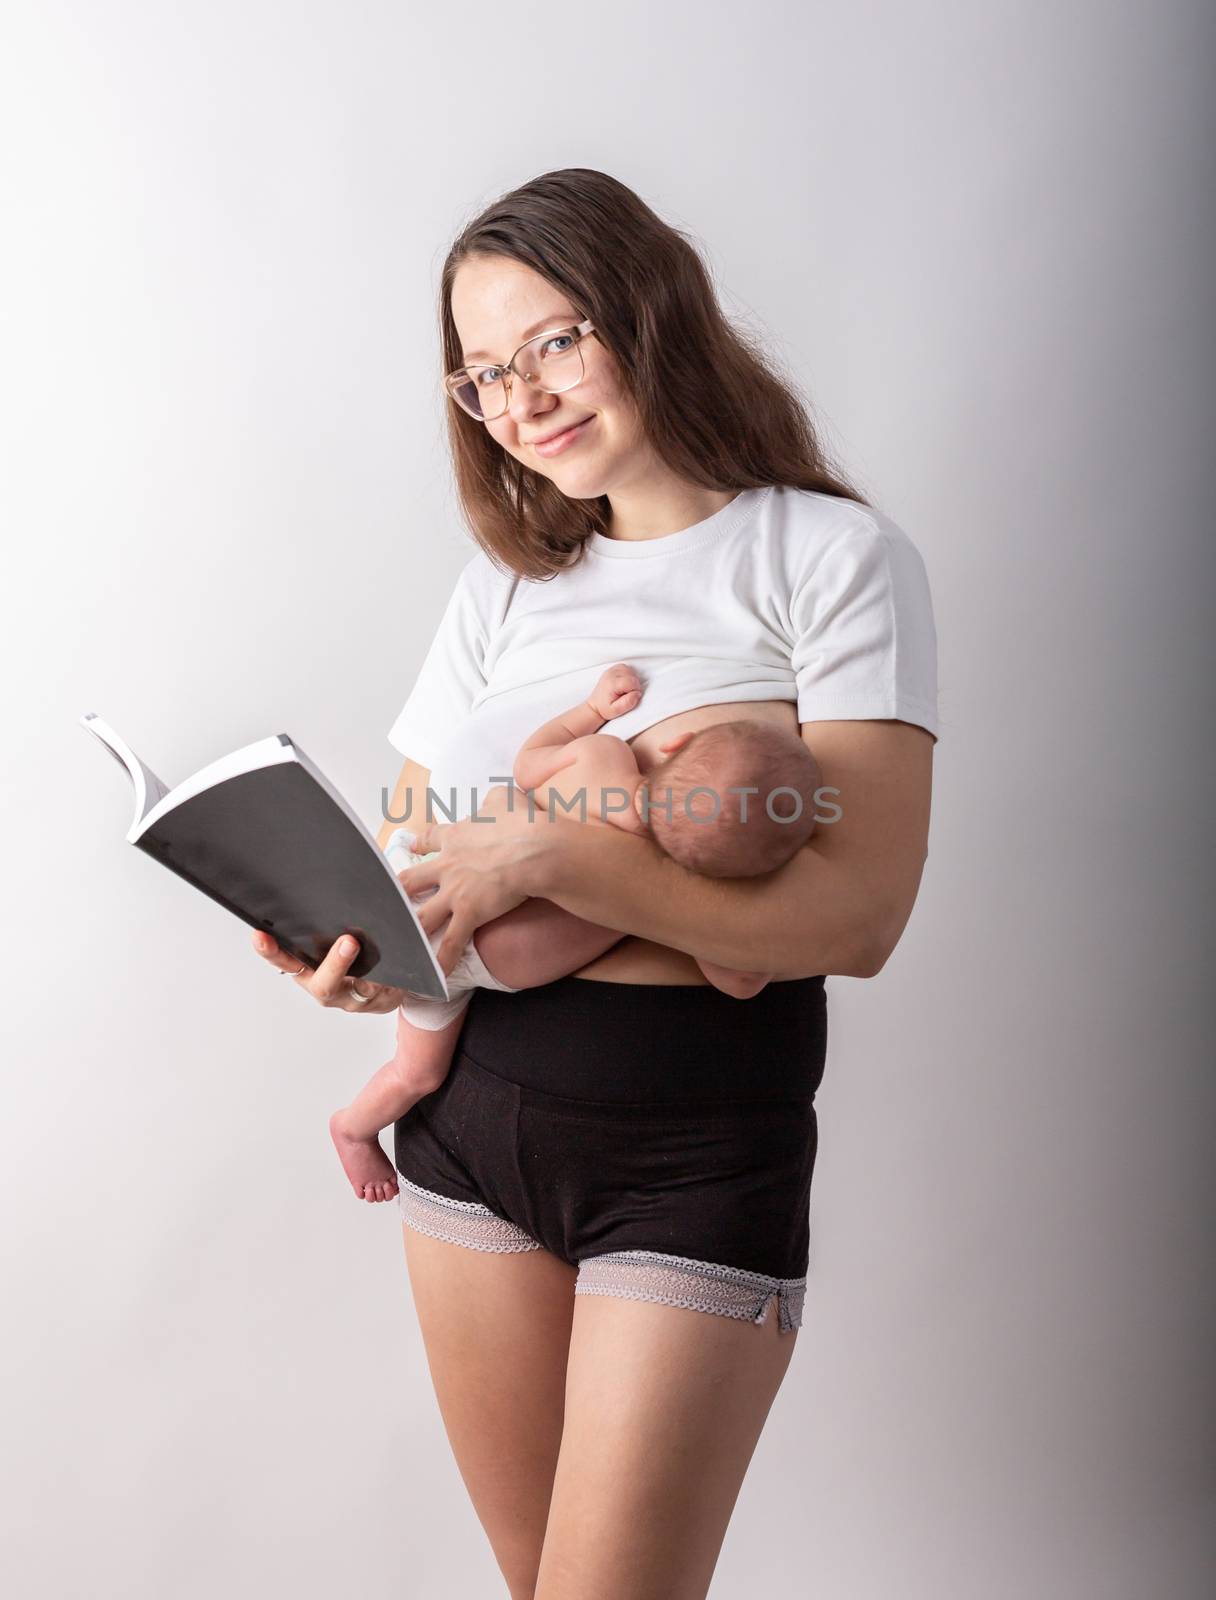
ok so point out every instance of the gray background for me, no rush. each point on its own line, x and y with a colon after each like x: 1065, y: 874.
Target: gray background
x: 979, y: 236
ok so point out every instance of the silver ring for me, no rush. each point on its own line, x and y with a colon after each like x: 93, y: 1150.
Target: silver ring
x: 363, y: 999
x: 296, y: 973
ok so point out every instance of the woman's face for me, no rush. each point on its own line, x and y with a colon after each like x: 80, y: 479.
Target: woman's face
x: 497, y: 303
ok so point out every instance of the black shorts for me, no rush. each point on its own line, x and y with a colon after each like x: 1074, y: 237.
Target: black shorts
x: 659, y: 1137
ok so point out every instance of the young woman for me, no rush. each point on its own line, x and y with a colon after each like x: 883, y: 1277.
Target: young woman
x: 606, y: 1202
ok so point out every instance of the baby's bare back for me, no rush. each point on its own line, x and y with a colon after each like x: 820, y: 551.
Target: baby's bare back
x: 597, y: 785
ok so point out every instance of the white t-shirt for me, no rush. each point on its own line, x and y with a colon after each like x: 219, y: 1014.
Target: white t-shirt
x: 783, y: 594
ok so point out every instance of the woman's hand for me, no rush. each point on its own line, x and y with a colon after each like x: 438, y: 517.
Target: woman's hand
x: 328, y: 984
x: 487, y: 866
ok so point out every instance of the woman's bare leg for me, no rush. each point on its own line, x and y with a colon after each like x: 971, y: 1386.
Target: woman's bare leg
x: 664, y: 1406
x: 496, y: 1328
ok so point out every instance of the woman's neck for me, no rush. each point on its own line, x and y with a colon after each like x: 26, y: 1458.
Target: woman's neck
x: 652, y: 509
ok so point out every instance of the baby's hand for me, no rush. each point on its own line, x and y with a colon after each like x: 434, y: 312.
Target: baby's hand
x: 618, y: 691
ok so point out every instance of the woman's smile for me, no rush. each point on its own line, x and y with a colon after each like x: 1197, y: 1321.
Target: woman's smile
x: 562, y: 441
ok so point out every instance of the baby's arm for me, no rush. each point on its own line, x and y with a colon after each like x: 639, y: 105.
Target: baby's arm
x: 544, y: 754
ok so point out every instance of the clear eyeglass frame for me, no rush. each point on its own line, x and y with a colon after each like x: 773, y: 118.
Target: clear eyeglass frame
x: 454, y: 380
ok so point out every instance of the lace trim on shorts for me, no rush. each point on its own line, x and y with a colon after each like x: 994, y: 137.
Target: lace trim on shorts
x: 699, y: 1285
x: 459, y: 1221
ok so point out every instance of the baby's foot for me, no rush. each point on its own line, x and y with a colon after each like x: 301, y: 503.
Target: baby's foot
x: 740, y: 985
x: 370, y: 1171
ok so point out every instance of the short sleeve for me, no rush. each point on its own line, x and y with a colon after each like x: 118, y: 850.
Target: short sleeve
x: 864, y: 639
x: 450, y: 676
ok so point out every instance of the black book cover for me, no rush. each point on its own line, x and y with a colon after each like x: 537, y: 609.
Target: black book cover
x: 263, y: 833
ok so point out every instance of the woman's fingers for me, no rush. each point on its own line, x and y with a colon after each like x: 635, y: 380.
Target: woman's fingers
x: 430, y: 914
x: 332, y: 987
x: 433, y: 913
x: 419, y: 877
x: 329, y: 981
x: 270, y: 950
x: 428, y: 836
x: 329, y: 984
x: 460, y: 931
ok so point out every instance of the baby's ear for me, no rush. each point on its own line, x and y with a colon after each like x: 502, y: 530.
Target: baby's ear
x: 670, y: 746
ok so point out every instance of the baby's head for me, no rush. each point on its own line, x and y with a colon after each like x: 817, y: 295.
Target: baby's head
x: 725, y: 834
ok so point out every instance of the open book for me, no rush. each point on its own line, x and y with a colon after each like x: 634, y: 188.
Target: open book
x: 267, y: 836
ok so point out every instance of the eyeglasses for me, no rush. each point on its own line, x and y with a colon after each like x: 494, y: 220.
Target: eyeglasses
x: 551, y: 361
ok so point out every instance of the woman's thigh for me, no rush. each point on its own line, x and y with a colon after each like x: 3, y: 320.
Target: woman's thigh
x: 496, y: 1328
x: 663, y: 1409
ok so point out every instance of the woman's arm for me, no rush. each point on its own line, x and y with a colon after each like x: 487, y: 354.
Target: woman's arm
x: 408, y: 801
x: 839, y: 906
x: 537, y: 941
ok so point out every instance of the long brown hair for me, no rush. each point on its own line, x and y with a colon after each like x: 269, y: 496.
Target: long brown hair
x: 646, y: 288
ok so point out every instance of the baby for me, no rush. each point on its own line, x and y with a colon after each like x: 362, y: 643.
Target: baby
x: 735, y: 799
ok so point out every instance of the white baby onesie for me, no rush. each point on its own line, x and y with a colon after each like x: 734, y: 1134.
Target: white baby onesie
x: 470, y: 971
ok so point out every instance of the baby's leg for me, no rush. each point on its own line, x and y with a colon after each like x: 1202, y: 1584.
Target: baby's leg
x: 532, y: 944
x: 538, y: 942
x: 419, y: 1065
x: 732, y: 981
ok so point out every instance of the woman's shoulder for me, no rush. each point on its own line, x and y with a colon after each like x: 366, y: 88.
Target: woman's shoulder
x: 812, y: 534
x: 484, y: 587
x: 812, y: 521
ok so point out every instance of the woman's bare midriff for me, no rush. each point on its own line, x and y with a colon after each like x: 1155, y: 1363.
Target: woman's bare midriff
x: 636, y: 960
